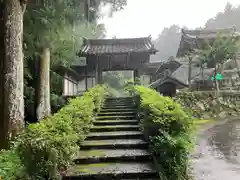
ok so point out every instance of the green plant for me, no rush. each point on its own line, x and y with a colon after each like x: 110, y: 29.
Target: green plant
x: 46, y: 148
x: 168, y: 127
x: 10, y: 165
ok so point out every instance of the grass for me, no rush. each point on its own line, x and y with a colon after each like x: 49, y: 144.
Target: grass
x: 199, y: 123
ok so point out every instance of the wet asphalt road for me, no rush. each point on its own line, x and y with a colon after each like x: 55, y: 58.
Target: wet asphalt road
x: 217, y: 154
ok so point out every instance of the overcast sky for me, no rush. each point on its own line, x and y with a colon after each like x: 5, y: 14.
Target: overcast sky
x: 149, y: 17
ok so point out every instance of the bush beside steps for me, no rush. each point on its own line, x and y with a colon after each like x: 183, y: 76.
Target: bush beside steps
x: 44, y: 150
x: 168, y: 127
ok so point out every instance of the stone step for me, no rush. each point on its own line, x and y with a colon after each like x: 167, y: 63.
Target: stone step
x: 115, y: 122
x: 119, y: 102
x: 113, y: 98
x: 115, y: 135
x: 118, y: 110
x: 108, y: 155
x: 115, y: 117
x: 117, y: 113
x: 110, y: 171
x: 114, y: 144
x: 117, y: 107
x: 115, y: 128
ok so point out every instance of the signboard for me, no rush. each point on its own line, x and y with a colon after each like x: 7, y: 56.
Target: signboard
x: 219, y: 77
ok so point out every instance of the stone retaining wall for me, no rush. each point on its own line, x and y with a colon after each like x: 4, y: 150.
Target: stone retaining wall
x: 206, y: 104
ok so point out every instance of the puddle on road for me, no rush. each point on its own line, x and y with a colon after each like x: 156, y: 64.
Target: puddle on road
x: 217, y: 154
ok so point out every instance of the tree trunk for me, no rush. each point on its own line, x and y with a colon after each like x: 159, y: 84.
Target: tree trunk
x: 2, y: 52
x: 13, y: 106
x: 43, y: 87
x: 216, y: 81
x: 189, y: 72
x: 237, y: 66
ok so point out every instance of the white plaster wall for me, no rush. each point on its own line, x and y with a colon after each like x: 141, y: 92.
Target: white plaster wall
x: 81, y: 86
x: 145, y: 80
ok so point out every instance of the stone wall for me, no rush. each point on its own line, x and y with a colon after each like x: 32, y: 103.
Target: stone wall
x: 207, y: 105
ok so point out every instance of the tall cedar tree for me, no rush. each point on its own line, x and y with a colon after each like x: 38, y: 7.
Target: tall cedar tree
x: 12, y: 104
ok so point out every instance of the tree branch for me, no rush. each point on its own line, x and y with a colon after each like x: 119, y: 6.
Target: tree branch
x: 23, y: 5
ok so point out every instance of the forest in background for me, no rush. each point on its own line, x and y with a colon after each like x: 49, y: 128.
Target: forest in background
x: 168, y: 40
x: 40, y: 36
x: 59, y: 26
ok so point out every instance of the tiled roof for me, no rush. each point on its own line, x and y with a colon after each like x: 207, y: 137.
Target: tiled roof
x: 207, y: 33
x: 109, y: 46
x: 171, y: 65
x: 192, y: 38
x: 153, y: 65
x: 61, y: 70
x: 182, y: 73
x: 168, y: 79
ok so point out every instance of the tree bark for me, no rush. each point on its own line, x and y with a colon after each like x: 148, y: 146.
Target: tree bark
x: 43, y: 87
x: 2, y: 52
x: 13, y: 103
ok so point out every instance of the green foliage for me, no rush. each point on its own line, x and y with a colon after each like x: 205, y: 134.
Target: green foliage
x: 10, y: 165
x: 219, y: 50
x: 113, y: 79
x: 60, y: 26
x: 48, y: 147
x: 169, y: 128
x: 56, y: 102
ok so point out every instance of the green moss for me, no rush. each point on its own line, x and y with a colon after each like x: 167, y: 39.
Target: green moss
x: 89, y: 168
x: 203, y: 121
x: 102, y: 142
x: 91, y: 153
x: 200, y: 123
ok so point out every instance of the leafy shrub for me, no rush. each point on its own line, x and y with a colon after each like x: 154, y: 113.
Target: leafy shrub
x: 168, y: 127
x: 10, y: 164
x: 57, y: 102
x: 48, y: 148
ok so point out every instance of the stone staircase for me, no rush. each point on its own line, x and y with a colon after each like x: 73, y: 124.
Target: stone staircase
x: 115, y: 148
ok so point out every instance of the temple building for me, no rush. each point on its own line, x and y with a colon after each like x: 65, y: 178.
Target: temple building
x: 101, y: 55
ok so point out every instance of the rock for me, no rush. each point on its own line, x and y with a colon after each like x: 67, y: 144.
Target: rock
x: 201, y: 106
x: 222, y: 114
x: 206, y: 116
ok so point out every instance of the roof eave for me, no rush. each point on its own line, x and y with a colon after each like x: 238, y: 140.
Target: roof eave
x: 84, y: 54
x: 62, y: 70
x: 172, y: 79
